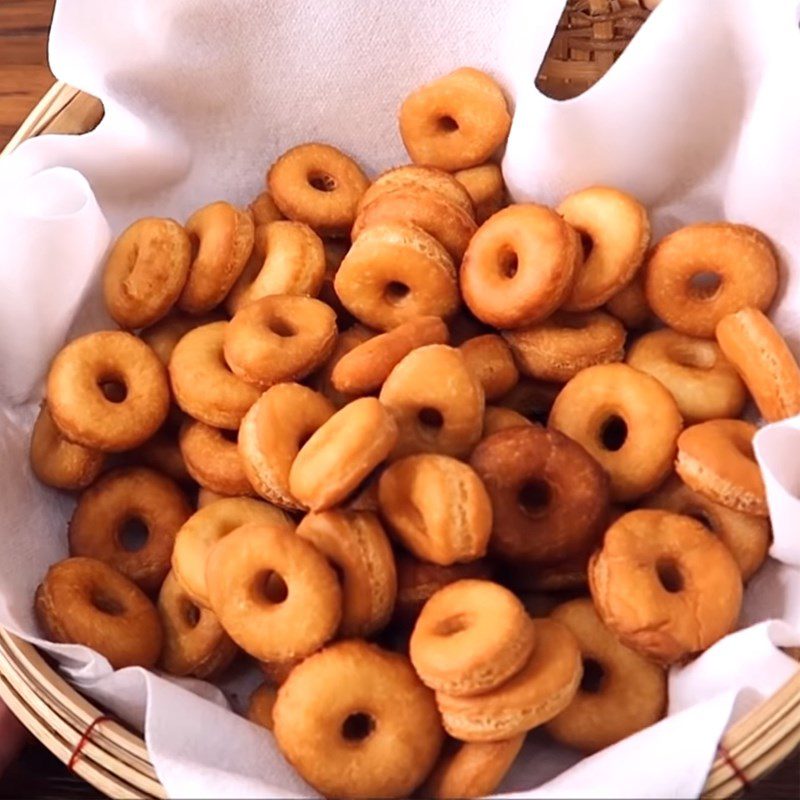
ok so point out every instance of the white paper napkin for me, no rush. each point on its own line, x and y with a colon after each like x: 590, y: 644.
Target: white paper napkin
x: 700, y: 118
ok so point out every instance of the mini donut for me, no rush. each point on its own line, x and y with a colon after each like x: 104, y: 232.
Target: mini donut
x: 532, y: 399
x: 356, y: 544
x: 205, y: 528
x: 279, y: 338
x: 84, y: 601
x: 699, y: 274
x: 414, y: 176
x: 764, y: 360
x: 498, y: 418
x: 342, y: 452
x: 665, y: 585
x: 441, y: 416
x: 97, y: 527
x: 471, y: 769
x: 417, y: 581
x: 275, y: 594
x: 447, y: 222
x: 629, y: 304
x: 549, y: 496
x: 703, y: 382
x: 277, y: 672
x: 519, y: 266
x: 394, y: 273
x: 81, y: 410
x: 489, y: 357
x: 203, y: 384
x: 616, y: 232
x: 470, y: 637
x: 261, y: 704
x: 223, y: 236
x: 318, y: 185
x: 561, y: 346
x: 541, y: 690
x: 271, y: 434
x: 347, y: 341
x: 213, y: 459
x: 194, y: 642
x: 456, y: 121
x: 626, y: 420
x: 56, y: 461
x: 621, y: 692
x: 166, y: 333
x: 288, y: 258
x: 264, y: 210
x: 437, y: 507
x: 146, y: 271
x: 365, y: 368
x: 356, y: 722
x: 162, y: 453
x: 747, y: 537
x: 715, y: 459
x: 485, y: 186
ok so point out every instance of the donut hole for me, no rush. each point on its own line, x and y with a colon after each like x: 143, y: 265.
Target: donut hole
x: 270, y: 587
x: 699, y: 356
x: 446, y: 124
x: 508, y: 264
x: 613, y: 433
x: 358, y: 726
x: 587, y: 244
x: 704, y: 285
x: 452, y: 625
x: 534, y: 498
x: 669, y: 575
x: 282, y: 327
x: 190, y: 614
x: 113, y: 389
x: 107, y: 605
x: 322, y: 181
x: 132, y: 535
x: 430, y: 418
x: 593, y: 676
x: 396, y: 292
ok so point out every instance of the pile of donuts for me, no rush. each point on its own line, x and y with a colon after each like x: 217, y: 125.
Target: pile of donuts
x: 447, y: 469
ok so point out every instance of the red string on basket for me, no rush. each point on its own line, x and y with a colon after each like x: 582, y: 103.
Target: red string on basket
x: 84, y: 740
x: 734, y: 766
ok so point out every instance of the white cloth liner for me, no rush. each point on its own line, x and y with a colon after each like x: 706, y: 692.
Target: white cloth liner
x: 700, y: 118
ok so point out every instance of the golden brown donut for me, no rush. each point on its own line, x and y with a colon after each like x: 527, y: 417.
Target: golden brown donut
x: 56, y: 461
x: 665, y: 585
x: 443, y: 415
x: 279, y: 338
x: 626, y: 420
x: 489, y: 357
x: 81, y: 410
x: 262, y: 702
x: 543, y: 688
x: 747, y: 537
x: 205, y: 528
x: 356, y: 722
x: 203, y: 384
x: 498, y: 418
x: 319, y: 185
x: 485, y: 187
x: 99, y: 525
x: 275, y: 594
x: 519, y: 266
x: 347, y: 341
x: 264, y: 210
x: 549, y: 496
x: 715, y: 458
x: 166, y: 333
x: 146, y: 271
x: 764, y: 360
x: 356, y: 544
x: 532, y: 399
x: 456, y: 121
x: 437, y: 507
x: 212, y: 458
x: 288, y: 258
x: 367, y: 365
x: 703, y: 382
x: 223, y: 237
x: 194, y: 641
x: 470, y: 637
x: 84, y: 601
x: 471, y: 769
x: 394, y: 273
x: 447, y: 222
x: 621, y: 692
x: 629, y: 304
x: 561, y: 346
x: 272, y: 433
x: 700, y: 273
x: 615, y: 231
x: 342, y: 452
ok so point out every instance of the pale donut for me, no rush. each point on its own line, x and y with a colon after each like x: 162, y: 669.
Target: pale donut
x: 490, y: 359
x: 212, y: 459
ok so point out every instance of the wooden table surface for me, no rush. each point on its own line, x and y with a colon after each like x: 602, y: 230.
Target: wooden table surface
x: 24, y: 78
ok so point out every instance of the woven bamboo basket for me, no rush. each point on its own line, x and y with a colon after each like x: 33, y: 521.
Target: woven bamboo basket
x: 113, y: 758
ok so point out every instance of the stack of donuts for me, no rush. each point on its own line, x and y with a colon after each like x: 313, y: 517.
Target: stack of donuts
x: 448, y: 470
